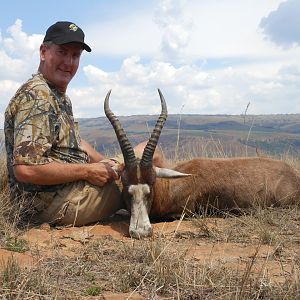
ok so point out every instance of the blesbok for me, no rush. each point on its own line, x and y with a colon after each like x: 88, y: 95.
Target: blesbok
x: 230, y: 183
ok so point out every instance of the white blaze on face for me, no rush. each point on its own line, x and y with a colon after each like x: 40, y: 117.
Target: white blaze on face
x: 139, y: 222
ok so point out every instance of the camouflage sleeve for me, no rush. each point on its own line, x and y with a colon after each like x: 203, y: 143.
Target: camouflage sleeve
x: 34, y: 128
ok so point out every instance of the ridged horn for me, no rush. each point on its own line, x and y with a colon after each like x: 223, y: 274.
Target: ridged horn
x: 126, y: 148
x: 146, y: 160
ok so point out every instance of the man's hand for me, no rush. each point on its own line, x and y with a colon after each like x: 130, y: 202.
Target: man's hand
x: 101, y: 173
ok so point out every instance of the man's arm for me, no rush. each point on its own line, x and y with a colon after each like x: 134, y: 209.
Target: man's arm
x: 95, y: 172
x: 58, y: 173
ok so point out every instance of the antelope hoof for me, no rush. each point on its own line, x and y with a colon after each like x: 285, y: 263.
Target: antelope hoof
x: 141, y: 233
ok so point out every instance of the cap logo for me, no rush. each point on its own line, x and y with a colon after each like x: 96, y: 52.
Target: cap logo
x: 73, y: 27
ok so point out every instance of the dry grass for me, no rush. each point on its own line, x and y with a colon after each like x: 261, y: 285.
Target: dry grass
x: 153, y: 267
x: 161, y: 266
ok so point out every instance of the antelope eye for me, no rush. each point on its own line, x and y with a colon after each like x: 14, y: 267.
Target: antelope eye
x: 130, y: 189
x: 146, y: 189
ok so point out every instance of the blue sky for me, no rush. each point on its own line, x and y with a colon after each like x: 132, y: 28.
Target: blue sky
x: 207, y: 57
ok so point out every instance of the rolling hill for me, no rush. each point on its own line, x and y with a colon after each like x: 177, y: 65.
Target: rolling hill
x: 203, y: 135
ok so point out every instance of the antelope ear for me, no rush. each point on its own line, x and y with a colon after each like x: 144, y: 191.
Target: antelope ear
x: 168, y: 173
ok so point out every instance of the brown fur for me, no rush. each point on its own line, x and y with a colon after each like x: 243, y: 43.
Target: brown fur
x: 227, y: 184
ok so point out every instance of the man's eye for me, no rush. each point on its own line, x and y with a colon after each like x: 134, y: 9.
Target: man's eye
x: 76, y: 55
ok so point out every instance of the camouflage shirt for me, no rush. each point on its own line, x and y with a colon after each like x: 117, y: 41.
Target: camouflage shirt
x: 39, y: 128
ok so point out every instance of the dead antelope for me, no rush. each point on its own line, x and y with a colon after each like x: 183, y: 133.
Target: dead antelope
x: 232, y: 183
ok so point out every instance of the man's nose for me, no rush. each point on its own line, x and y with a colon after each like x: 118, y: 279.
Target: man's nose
x: 68, y: 60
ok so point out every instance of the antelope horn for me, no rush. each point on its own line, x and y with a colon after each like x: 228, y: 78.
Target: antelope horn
x: 168, y: 173
x: 126, y: 148
x: 146, y: 160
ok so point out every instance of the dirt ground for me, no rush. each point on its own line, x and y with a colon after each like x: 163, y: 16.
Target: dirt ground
x: 264, y: 246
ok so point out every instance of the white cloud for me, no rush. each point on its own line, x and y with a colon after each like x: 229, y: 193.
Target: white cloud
x: 19, y: 40
x: 18, y: 60
x: 96, y: 75
x: 18, y: 53
x: 218, y: 91
x: 11, y: 67
x: 7, y: 90
x: 8, y: 87
x: 175, y: 28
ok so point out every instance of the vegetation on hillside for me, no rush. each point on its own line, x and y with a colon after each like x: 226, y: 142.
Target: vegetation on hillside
x: 237, y: 135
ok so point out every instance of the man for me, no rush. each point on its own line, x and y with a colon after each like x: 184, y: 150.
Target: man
x: 68, y: 181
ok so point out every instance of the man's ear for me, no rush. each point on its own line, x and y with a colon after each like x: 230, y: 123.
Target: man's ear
x: 42, y: 52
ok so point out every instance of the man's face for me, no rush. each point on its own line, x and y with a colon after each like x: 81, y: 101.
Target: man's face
x: 59, y: 63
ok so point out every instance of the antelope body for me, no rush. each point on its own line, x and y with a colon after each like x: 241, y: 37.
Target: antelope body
x: 233, y: 183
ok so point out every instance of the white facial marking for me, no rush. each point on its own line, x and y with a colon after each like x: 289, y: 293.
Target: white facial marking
x: 139, y: 223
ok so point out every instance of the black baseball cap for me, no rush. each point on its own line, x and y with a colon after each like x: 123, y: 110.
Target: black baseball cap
x: 66, y: 32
